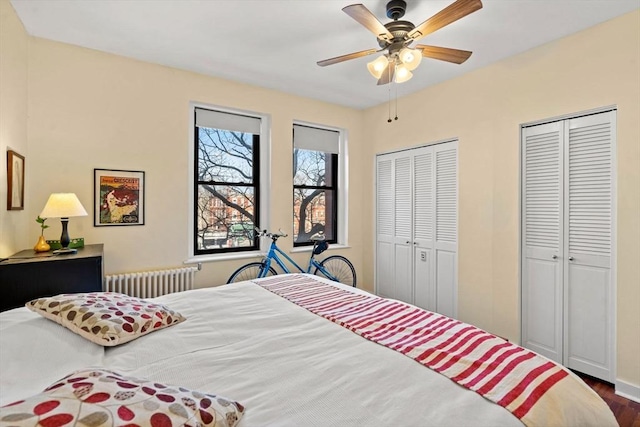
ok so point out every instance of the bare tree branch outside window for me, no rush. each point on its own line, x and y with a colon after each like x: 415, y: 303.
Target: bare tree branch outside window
x: 226, y: 204
x: 314, y: 194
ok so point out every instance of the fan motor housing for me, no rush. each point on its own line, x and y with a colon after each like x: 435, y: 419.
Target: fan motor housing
x: 399, y: 30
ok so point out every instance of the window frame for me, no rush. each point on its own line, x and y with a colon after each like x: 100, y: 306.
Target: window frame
x: 261, y: 178
x: 340, y: 183
x: 333, y: 188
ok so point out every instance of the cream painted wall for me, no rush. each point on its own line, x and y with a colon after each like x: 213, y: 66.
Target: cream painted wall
x: 13, y: 125
x: 594, y: 68
x: 89, y: 109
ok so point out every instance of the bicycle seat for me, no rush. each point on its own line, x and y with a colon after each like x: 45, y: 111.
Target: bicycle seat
x: 319, y: 247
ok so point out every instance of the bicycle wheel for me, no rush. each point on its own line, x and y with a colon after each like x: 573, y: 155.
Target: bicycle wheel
x: 249, y: 272
x: 340, y: 268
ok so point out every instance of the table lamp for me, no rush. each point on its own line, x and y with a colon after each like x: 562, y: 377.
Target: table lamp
x: 63, y: 206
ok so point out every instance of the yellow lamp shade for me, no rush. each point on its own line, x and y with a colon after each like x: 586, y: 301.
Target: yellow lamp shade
x: 63, y: 205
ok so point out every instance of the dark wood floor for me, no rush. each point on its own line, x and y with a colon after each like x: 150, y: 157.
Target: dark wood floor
x: 627, y: 412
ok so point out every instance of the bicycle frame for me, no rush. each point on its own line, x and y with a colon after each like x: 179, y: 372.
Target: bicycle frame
x: 274, y: 250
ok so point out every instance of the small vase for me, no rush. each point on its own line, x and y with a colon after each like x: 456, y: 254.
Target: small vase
x: 42, y: 245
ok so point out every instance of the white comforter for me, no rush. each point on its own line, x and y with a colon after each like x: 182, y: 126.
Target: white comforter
x: 288, y: 366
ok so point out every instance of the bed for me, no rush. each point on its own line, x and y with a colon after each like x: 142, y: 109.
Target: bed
x: 287, y: 365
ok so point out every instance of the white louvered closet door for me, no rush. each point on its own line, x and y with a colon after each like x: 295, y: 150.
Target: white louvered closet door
x: 446, y: 227
x: 385, y: 227
x: 394, y: 226
x: 588, y: 233
x: 424, y: 253
x: 567, y: 228
x: 403, y: 238
x: 542, y: 239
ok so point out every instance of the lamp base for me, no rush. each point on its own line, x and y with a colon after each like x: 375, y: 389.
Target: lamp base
x: 65, y: 251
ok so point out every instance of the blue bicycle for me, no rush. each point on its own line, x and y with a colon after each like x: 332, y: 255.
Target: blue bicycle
x: 335, y: 267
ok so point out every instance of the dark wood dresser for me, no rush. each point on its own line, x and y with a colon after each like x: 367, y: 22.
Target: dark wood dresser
x: 27, y: 275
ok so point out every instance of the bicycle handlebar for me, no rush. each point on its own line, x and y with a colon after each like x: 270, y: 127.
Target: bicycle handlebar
x: 317, y: 237
x: 273, y: 236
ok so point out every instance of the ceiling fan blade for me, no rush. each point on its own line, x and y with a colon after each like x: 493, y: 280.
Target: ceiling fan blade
x: 446, y: 16
x: 361, y: 14
x: 388, y: 74
x: 456, y: 56
x: 347, y: 57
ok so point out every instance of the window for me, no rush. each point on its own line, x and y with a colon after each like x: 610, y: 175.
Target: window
x: 227, y: 182
x: 315, y: 183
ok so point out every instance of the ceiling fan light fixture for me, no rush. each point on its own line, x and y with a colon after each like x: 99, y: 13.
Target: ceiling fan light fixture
x: 377, y: 66
x: 411, y: 58
x: 402, y: 74
x: 396, y: 37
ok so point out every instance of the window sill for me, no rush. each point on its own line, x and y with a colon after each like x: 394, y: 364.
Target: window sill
x: 310, y: 248
x: 224, y: 257
x: 253, y: 254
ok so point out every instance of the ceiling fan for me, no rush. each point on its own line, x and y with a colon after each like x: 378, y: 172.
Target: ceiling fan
x: 396, y: 37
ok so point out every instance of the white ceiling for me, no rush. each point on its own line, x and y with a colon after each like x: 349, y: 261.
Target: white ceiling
x: 276, y: 43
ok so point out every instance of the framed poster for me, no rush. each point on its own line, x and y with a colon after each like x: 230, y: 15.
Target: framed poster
x: 15, y: 181
x: 118, y: 197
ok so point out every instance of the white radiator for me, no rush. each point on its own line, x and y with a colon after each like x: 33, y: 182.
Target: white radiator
x: 149, y: 284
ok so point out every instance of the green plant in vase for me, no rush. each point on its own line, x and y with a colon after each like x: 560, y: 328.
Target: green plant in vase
x: 42, y: 245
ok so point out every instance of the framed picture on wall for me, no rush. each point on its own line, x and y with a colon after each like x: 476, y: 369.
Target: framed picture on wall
x: 118, y: 197
x: 15, y: 181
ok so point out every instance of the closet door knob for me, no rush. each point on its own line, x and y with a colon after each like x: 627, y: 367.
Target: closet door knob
x: 555, y: 257
x: 408, y: 241
x: 570, y: 258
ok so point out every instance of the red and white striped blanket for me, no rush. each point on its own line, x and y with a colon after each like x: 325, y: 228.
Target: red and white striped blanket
x: 502, y: 372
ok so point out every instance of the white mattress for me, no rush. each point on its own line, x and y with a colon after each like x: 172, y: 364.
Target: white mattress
x: 288, y: 366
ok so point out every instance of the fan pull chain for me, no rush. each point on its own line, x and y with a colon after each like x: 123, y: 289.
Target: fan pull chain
x: 396, y: 93
x: 389, y: 120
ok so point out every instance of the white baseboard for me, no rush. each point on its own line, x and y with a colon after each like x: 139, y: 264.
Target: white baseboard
x: 628, y: 391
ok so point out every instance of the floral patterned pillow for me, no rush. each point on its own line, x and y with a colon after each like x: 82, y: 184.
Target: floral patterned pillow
x: 98, y: 397
x: 106, y: 318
